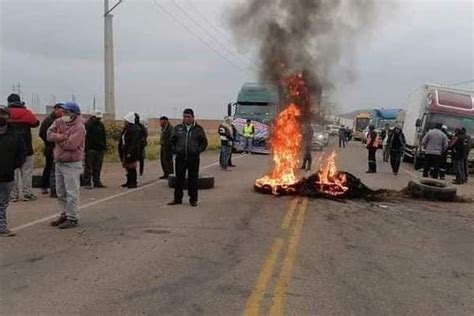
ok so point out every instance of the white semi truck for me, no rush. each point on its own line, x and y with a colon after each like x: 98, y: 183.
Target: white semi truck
x: 430, y: 104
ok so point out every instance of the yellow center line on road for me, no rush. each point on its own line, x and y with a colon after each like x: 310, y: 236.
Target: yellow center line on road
x: 298, y: 206
x: 279, y: 294
x: 253, y: 303
x: 289, y: 215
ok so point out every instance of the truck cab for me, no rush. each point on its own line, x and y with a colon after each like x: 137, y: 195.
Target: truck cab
x: 259, y: 103
x: 431, y: 104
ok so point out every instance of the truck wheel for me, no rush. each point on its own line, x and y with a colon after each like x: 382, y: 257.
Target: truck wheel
x: 417, y: 161
x: 432, y: 189
x: 205, y: 182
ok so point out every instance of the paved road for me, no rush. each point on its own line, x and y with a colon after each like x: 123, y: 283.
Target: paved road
x: 242, y: 253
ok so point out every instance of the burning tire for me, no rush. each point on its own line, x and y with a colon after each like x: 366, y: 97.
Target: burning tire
x: 205, y: 182
x: 432, y: 189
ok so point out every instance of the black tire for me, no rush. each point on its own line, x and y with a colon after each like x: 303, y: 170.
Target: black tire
x: 417, y: 161
x: 432, y: 189
x: 205, y: 182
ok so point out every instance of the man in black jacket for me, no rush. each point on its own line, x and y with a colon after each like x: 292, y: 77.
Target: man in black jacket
x: 396, y: 146
x: 188, y: 141
x: 48, y: 178
x: 166, y: 150
x: 458, y: 147
x: 96, y: 145
x: 129, y: 150
x: 13, y: 155
x: 143, y: 143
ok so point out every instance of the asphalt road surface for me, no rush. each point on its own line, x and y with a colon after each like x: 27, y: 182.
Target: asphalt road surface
x: 241, y: 252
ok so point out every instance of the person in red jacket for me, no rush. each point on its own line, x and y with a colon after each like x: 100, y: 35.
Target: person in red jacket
x: 22, y: 121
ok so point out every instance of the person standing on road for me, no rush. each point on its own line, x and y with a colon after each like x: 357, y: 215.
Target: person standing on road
x: 249, y: 133
x: 129, y: 149
x: 69, y: 135
x: 13, y: 155
x: 384, y: 135
x: 143, y: 142
x: 188, y: 141
x: 166, y: 150
x: 234, y: 136
x: 308, y: 134
x: 372, y: 145
x: 225, y: 135
x: 435, y: 144
x: 348, y: 134
x: 443, y: 163
x: 48, y: 179
x: 396, y: 143
x: 458, y: 146
x: 21, y: 122
x: 467, y: 150
x: 96, y: 145
x: 342, y: 136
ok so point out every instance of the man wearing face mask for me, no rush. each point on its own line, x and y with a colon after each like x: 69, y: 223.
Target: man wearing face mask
x: 68, y: 133
x: 21, y: 121
x: 13, y: 155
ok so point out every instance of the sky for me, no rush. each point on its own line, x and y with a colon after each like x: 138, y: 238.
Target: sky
x: 54, y: 49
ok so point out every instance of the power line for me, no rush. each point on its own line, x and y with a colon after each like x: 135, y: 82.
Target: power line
x: 217, y: 29
x: 197, y: 36
x: 212, y: 37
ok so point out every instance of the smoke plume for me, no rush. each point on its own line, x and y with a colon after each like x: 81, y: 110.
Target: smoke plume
x: 301, y: 36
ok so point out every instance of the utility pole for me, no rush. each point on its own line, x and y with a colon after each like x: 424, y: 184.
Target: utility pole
x: 109, y: 84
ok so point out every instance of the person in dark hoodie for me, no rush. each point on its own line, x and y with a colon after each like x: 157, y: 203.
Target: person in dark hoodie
x: 129, y: 149
x: 458, y: 147
x: 188, y: 141
x: 22, y: 121
x: 48, y: 179
x: 13, y: 155
x: 96, y: 145
x: 143, y: 143
x: 396, y: 143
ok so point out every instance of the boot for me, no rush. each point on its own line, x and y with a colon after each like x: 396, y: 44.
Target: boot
x: 61, y: 219
x: 68, y: 223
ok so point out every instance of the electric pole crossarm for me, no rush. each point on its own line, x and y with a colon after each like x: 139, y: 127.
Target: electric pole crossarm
x: 111, y: 9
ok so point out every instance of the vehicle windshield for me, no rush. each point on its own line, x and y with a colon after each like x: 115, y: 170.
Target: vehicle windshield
x: 452, y: 122
x: 259, y: 113
x: 362, y: 123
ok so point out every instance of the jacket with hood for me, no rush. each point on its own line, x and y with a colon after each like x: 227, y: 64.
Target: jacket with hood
x: 21, y: 121
x: 13, y: 154
x: 435, y: 142
x: 69, y: 139
x: 396, y: 142
x: 129, y: 145
x: 189, y: 142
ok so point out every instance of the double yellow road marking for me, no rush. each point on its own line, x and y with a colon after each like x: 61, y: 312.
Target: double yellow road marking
x: 277, y: 307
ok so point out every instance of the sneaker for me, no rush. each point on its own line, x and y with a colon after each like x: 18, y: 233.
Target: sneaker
x: 163, y: 177
x: 6, y: 233
x: 175, y: 202
x: 53, y: 195
x: 30, y: 197
x: 370, y: 171
x: 232, y: 166
x: 193, y: 203
x: 457, y: 182
x: 88, y: 187
x: 58, y: 221
x: 99, y: 185
x: 44, y: 191
x: 68, y: 223
x: 125, y: 185
x: 395, y: 173
x: 132, y: 186
x: 14, y: 199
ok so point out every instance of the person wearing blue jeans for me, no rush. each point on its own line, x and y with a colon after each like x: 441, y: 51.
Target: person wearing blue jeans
x: 13, y: 156
x: 225, y: 134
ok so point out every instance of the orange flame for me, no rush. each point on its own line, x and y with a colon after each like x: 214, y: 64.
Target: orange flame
x: 285, y: 142
x: 331, y: 181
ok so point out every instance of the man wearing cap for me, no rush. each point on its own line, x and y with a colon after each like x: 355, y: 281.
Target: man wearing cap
x: 435, y: 143
x: 13, y: 155
x: 68, y: 134
x: 129, y: 149
x: 96, y: 145
x: 48, y: 179
x: 21, y: 121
